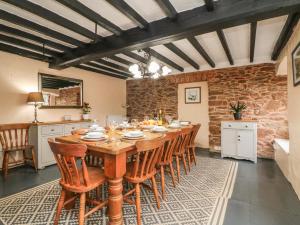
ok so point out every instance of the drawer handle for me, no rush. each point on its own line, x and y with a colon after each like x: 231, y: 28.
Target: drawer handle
x: 52, y: 129
x: 229, y: 125
x: 239, y: 136
x: 246, y: 126
x: 239, y: 139
x: 73, y: 128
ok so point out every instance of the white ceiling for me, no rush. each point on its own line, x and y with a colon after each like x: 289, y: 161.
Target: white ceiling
x: 238, y: 38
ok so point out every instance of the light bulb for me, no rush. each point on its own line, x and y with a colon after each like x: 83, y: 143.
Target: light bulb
x: 134, y: 68
x: 153, y: 67
x: 166, y: 70
x: 155, y: 76
x: 137, y: 74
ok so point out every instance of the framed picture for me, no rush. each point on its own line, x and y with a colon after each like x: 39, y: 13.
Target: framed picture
x: 296, y: 65
x: 192, y: 95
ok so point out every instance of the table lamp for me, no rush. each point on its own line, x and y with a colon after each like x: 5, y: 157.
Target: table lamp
x: 35, y: 98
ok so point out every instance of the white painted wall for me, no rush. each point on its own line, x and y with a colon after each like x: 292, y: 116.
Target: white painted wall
x: 196, y: 113
x: 19, y: 75
x: 293, y: 164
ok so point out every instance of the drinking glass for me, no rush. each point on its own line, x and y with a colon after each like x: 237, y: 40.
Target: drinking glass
x: 134, y: 123
x: 112, y: 127
x: 169, y: 119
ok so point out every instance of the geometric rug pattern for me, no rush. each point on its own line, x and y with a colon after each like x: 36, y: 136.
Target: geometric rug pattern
x: 200, y: 199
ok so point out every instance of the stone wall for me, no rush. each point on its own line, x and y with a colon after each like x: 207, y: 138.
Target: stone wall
x: 256, y: 85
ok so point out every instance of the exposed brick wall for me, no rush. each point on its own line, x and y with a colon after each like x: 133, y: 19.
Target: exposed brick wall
x: 68, y: 96
x: 257, y: 85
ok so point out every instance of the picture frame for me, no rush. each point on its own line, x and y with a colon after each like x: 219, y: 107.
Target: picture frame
x: 192, y: 95
x: 296, y: 65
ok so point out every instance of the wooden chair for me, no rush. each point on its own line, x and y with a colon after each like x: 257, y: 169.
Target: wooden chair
x: 75, y: 179
x: 180, y: 151
x: 90, y: 160
x: 191, y: 146
x: 14, y: 138
x: 141, y: 169
x: 172, y: 141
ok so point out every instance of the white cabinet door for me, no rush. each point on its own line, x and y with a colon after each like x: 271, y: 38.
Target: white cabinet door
x: 245, y: 144
x: 228, y: 142
x: 47, y: 156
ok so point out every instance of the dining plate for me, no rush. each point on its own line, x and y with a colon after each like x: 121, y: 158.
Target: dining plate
x: 93, y: 139
x: 133, y: 138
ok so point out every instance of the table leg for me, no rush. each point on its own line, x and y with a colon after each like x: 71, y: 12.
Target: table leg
x: 114, y: 169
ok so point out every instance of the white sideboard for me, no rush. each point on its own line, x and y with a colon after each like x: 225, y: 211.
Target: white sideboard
x: 39, y: 134
x: 239, y: 140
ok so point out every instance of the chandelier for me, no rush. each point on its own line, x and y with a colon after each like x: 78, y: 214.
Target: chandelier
x: 152, y: 69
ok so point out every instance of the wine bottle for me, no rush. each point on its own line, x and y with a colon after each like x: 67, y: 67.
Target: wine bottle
x: 160, y: 118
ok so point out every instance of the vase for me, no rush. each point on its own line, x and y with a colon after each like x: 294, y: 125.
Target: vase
x: 237, y: 116
x: 85, y: 116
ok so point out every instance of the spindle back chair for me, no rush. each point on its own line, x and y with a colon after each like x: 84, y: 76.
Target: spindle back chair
x: 75, y: 177
x: 172, y: 141
x: 141, y: 168
x: 180, y: 152
x: 15, y: 138
x: 191, y: 147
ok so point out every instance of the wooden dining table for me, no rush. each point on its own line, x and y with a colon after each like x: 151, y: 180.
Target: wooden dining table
x: 115, y: 155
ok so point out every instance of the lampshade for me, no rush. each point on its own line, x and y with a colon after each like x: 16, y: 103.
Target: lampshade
x: 35, y: 97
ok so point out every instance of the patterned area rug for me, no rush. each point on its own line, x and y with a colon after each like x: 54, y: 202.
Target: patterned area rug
x: 200, y: 199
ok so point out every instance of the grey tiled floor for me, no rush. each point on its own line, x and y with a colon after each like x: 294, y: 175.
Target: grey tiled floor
x: 261, y: 196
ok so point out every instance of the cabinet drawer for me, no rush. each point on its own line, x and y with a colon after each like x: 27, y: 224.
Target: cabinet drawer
x: 84, y: 125
x: 54, y: 129
x: 70, y: 127
x: 239, y: 125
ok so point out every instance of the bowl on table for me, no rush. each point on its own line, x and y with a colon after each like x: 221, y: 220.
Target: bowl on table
x: 174, y: 125
x: 185, y: 123
x: 94, y: 136
x: 159, y: 129
x: 134, y: 134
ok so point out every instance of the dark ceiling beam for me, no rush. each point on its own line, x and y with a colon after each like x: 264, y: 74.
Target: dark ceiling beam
x: 128, y: 11
x: 96, y: 65
x: 189, y: 23
x: 32, y: 37
x: 201, y: 51
x: 23, y: 52
x: 25, y: 44
x: 85, y: 11
x: 225, y: 46
x: 53, y: 17
x: 120, y: 60
x: 253, y: 27
x: 136, y: 57
x: 164, y: 59
x: 38, y: 28
x: 209, y: 5
x: 113, y: 65
x: 102, y: 72
x: 168, y: 8
x: 285, y: 34
x: 182, y: 55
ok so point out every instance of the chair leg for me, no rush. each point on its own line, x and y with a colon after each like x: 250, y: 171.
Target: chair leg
x: 138, y: 203
x: 184, y: 163
x: 154, y: 186
x: 178, y: 168
x: 162, y: 175
x: 33, y: 159
x: 172, y: 174
x: 5, y: 164
x: 99, y: 192
x: 82, y: 208
x: 189, y: 159
x: 60, y: 206
x: 194, y: 155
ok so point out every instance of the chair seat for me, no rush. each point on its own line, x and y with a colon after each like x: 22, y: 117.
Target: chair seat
x: 129, y: 177
x: 96, y: 176
x: 18, y: 148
